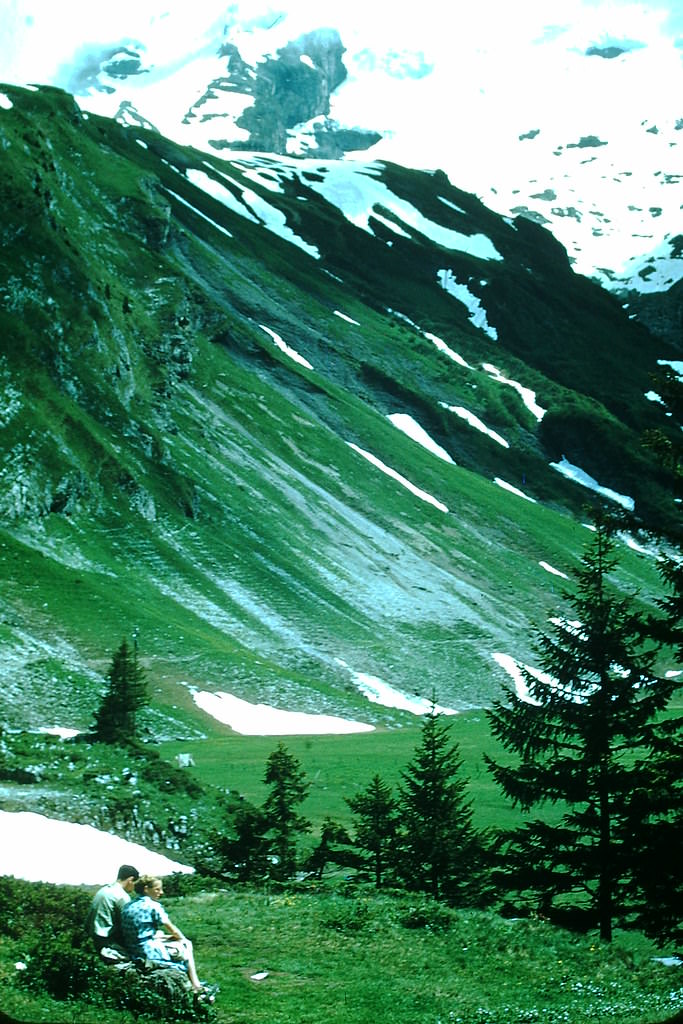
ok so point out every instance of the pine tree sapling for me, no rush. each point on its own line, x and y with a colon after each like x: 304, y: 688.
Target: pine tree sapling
x: 288, y: 789
x: 376, y: 822
x: 439, y: 848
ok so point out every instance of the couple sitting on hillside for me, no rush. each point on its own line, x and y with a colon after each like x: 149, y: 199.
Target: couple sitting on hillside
x: 140, y: 929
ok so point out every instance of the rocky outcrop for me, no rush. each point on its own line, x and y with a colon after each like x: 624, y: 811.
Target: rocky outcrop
x: 293, y: 89
x: 661, y: 312
x: 289, y: 90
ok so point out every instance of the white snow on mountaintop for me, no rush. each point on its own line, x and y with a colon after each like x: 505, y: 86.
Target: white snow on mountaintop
x: 595, y: 151
x: 42, y: 849
x: 252, y: 206
x: 355, y: 189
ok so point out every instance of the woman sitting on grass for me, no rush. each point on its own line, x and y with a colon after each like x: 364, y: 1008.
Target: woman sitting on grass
x: 143, y: 923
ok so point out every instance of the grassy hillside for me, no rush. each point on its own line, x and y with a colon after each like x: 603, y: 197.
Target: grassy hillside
x: 169, y: 463
x: 344, y: 953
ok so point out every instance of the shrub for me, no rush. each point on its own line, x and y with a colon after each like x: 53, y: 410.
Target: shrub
x: 64, y: 970
x: 427, y: 914
x: 32, y: 910
x: 346, y: 915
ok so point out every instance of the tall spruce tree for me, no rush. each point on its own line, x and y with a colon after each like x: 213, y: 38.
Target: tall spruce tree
x: 126, y: 695
x: 657, y: 808
x: 586, y: 738
x: 288, y: 789
x: 438, y: 849
x: 375, y: 816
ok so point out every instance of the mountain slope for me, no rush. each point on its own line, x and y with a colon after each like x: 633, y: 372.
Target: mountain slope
x: 200, y: 358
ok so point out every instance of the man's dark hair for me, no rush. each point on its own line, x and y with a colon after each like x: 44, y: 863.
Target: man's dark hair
x: 127, y: 871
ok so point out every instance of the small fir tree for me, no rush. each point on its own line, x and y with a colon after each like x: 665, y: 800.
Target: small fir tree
x: 288, y: 789
x: 585, y: 738
x: 116, y: 717
x: 439, y: 846
x: 238, y: 848
x: 375, y: 814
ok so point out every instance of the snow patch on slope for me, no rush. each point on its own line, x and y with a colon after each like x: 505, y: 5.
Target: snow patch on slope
x: 462, y: 293
x: 475, y: 422
x: 581, y: 477
x: 379, y: 692
x: 42, y: 849
x: 413, y: 429
x: 417, y: 491
x: 266, y: 720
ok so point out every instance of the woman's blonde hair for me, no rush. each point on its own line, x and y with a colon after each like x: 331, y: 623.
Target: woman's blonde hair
x: 144, y: 881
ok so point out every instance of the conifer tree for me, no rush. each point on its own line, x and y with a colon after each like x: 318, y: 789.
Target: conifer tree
x: 116, y: 717
x: 439, y: 848
x: 657, y: 807
x: 376, y: 823
x: 238, y: 847
x: 585, y: 737
x: 289, y: 788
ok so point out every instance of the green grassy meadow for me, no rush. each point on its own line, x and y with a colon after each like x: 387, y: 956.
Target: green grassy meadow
x: 348, y: 955
x: 340, y: 766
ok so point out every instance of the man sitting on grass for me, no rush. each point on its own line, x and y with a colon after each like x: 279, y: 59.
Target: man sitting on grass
x: 103, y: 922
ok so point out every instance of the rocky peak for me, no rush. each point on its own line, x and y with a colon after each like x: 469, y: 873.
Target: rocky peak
x: 290, y: 89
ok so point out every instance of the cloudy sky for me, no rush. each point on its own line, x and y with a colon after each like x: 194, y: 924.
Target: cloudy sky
x: 493, y: 46
x: 449, y: 84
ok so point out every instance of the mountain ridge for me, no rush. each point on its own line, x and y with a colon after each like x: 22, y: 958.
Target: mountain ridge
x: 570, y: 165
x: 201, y: 359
